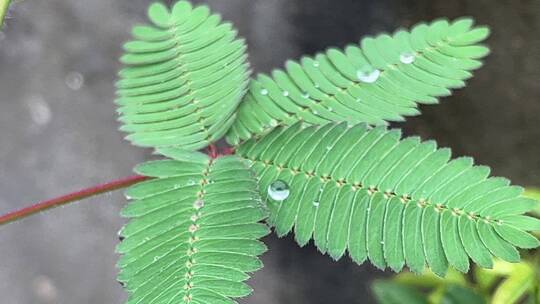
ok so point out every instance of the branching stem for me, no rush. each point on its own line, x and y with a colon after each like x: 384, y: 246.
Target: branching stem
x: 213, y: 152
x: 70, y: 198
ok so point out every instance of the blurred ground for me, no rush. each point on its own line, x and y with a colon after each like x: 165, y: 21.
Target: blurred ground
x: 58, y: 60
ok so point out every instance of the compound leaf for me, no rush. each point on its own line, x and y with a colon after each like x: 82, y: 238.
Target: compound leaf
x: 193, y: 231
x: 382, y: 79
x: 393, y: 201
x: 183, y: 78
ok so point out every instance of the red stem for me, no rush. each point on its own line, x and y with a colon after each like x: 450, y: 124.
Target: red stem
x: 212, y: 151
x: 69, y: 198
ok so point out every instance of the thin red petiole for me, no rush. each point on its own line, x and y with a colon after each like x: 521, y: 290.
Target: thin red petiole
x: 85, y: 193
x: 212, y: 151
x: 70, y: 198
x: 228, y: 151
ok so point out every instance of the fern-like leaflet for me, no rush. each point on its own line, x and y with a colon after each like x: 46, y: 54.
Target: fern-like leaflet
x: 382, y: 80
x: 391, y: 201
x: 194, y: 230
x: 184, y: 78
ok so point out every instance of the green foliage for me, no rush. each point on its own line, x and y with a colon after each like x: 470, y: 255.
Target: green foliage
x: 506, y: 283
x: 193, y: 233
x: 391, y: 201
x: 534, y: 193
x: 380, y: 80
x: 184, y: 77
x: 388, y: 292
x: 320, y: 167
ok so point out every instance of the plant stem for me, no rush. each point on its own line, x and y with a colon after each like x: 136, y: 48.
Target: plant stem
x: 4, y: 6
x: 70, y: 198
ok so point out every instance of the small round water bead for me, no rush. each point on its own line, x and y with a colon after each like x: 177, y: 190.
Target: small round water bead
x: 368, y: 75
x: 407, y: 57
x: 278, y: 190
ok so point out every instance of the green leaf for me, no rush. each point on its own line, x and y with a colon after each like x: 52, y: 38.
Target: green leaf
x: 394, y: 202
x: 455, y: 294
x: 520, y: 281
x: 380, y: 80
x: 193, y: 231
x: 533, y: 193
x: 393, y: 293
x: 428, y: 279
x: 183, y: 78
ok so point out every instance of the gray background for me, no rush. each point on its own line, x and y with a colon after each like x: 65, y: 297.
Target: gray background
x: 58, y: 60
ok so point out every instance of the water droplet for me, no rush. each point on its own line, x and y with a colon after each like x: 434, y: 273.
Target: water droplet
x: 156, y: 258
x: 273, y: 122
x: 191, y: 182
x: 382, y: 242
x: 278, y: 190
x: 316, y: 204
x: 317, y: 85
x: 316, y: 112
x: 316, y: 64
x: 285, y: 93
x: 305, y: 95
x: 368, y: 75
x: 407, y: 57
x: 74, y: 80
x: 198, y: 204
x: 330, y: 109
x: 264, y: 92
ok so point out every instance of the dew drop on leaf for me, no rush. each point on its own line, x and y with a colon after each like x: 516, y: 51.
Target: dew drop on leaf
x: 316, y: 204
x: 278, y: 190
x: 316, y: 64
x: 368, y: 75
x: 264, y: 92
x: 407, y: 58
x: 306, y: 95
x: 285, y: 93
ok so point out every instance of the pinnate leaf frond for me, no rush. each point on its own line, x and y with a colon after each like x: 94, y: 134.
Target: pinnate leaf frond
x: 382, y: 79
x: 184, y: 76
x: 393, y: 201
x: 193, y: 231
